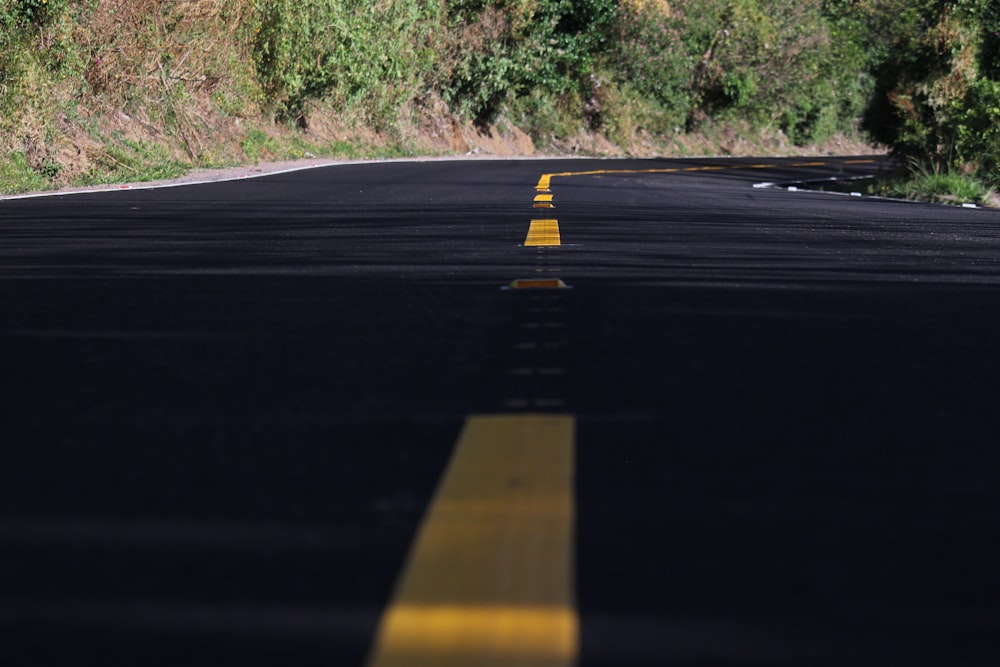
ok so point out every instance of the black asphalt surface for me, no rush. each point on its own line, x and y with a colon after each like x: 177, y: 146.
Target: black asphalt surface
x: 224, y: 408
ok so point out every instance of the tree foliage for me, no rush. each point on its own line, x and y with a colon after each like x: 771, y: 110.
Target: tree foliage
x: 937, y: 96
x: 774, y: 62
x: 355, y: 49
x: 506, y: 48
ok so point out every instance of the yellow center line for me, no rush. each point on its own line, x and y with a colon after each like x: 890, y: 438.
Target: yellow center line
x: 489, y: 580
x: 546, y: 232
x: 543, y: 233
x: 545, y: 181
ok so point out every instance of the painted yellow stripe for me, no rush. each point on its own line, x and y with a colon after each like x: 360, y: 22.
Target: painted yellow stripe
x: 489, y: 579
x: 545, y: 197
x: 545, y: 181
x: 543, y: 233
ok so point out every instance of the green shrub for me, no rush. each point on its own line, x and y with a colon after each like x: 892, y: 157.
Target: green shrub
x: 26, y: 13
x: 771, y: 63
x: 502, y: 49
x: 939, y: 185
x: 648, y: 54
x: 36, y: 36
x: 977, y: 130
x: 355, y: 51
x: 937, y: 99
x: 563, y: 40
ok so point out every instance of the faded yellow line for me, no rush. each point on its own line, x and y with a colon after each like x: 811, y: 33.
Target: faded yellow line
x: 546, y: 232
x: 543, y: 233
x: 545, y: 181
x: 489, y: 579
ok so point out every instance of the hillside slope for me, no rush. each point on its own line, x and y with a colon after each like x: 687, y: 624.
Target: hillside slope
x: 111, y: 90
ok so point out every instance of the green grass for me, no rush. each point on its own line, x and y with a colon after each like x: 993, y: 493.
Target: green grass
x: 340, y: 149
x: 257, y: 145
x: 16, y: 176
x: 941, y: 187
x: 132, y: 161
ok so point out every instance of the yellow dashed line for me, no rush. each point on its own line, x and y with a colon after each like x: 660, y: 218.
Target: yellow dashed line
x: 539, y: 235
x: 543, y: 233
x: 489, y: 580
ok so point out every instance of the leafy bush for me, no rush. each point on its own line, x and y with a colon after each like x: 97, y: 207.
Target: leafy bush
x: 567, y: 35
x: 501, y: 49
x: 939, y: 185
x: 977, y: 130
x: 937, y: 99
x: 649, y: 55
x: 770, y: 62
x: 8, y: 53
x: 34, y: 12
x: 33, y: 33
x: 356, y: 50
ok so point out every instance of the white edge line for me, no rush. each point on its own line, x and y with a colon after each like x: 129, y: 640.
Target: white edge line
x: 860, y: 194
x: 127, y: 187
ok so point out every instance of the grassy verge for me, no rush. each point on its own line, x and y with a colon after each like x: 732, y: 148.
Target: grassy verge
x: 944, y: 187
x: 17, y: 176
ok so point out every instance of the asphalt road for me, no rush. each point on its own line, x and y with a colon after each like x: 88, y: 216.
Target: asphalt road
x: 224, y: 409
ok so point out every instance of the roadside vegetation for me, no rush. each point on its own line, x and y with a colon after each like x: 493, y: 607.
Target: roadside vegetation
x: 104, y: 90
x: 939, y: 187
